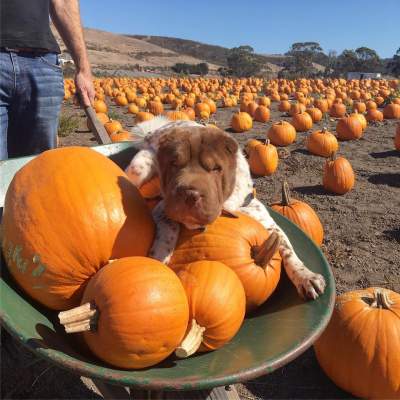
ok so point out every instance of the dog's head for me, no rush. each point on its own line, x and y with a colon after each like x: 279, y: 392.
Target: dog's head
x: 198, y: 170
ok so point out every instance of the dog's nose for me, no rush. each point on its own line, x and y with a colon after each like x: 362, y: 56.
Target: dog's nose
x: 190, y: 195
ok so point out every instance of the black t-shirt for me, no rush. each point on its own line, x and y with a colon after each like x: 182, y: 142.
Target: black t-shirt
x: 26, y: 23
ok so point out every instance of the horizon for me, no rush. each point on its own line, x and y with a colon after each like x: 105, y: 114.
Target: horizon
x: 354, y: 26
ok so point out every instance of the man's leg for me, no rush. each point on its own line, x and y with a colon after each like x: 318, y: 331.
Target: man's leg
x: 7, y: 82
x: 34, y: 114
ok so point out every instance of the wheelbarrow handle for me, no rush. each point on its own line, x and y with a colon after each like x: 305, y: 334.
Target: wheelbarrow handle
x: 98, y: 129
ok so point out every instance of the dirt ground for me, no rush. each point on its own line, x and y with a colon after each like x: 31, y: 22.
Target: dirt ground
x: 362, y: 244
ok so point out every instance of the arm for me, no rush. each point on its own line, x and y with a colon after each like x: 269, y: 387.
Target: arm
x: 66, y: 18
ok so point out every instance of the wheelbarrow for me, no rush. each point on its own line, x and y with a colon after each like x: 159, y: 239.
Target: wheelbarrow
x: 282, y: 329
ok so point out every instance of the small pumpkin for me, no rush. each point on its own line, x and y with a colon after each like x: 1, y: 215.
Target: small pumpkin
x: 155, y: 107
x: 349, y: 128
x: 338, y: 175
x: 282, y: 133
x: 262, y: 114
x: 133, y: 108
x: 296, y: 108
x: 205, y: 283
x: 177, y: 116
x: 143, y: 116
x: 360, y: 348
x: 361, y: 118
x: 284, y: 106
x: 301, y: 214
x: 373, y: 114
x: 391, y: 111
x: 263, y: 159
x: 337, y: 110
x: 302, y: 121
x: 242, y: 244
x: 117, y: 305
x: 113, y: 126
x: 315, y: 114
x: 241, y: 122
x: 121, y: 136
x: 322, y: 143
x: 100, y: 106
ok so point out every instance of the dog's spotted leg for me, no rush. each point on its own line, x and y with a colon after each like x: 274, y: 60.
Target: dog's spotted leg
x: 308, y: 284
x: 167, y: 232
x: 142, y: 167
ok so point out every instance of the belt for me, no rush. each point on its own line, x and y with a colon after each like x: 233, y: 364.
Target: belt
x: 24, y: 50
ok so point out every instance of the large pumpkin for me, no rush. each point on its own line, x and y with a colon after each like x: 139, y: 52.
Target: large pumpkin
x: 301, y: 214
x: 282, y: 133
x: 136, y: 313
x: 360, y: 348
x: 349, y: 128
x: 241, y: 122
x: 205, y: 283
x: 322, y: 143
x: 66, y: 213
x: 241, y: 244
x: 263, y: 159
x: 338, y: 175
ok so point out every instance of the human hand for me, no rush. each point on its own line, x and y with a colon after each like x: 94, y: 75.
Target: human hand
x: 84, y: 87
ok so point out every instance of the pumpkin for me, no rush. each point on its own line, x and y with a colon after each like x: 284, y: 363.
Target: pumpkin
x: 177, y: 116
x: 315, y: 114
x: 262, y: 114
x: 205, y: 283
x: 241, y: 122
x: 202, y: 110
x: 155, y: 107
x: 337, y: 110
x: 374, y: 114
x: 263, y: 159
x: 359, y: 106
x: 338, y: 175
x: 134, y: 313
x: 92, y: 213
x: 100, y: 106
x: 251, y: 143
x: 284, y: 106
x: 151, y: 192
x: 302, y: 121
x: 282, y: 133
x: 361, y: 118
x: 360, y: 348
x: 121, y: 136
x: 133, y: 108
x: 113, y: 126
x: 251, y: 108
x: 397, y: 138
x: 102, y: 117
x: 121, y: 100
x: 143, y: 116
x: 301, y: 214
x: 392, y: 111
x: 296, y: 108
x: 322, y: 143
x: 240, y: 243
x: 264, y: 101
x: 190, y: 113
x: 322, y: 104
x: 349, y: 128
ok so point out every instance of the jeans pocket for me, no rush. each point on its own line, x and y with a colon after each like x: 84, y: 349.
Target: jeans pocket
x: 51, y: 60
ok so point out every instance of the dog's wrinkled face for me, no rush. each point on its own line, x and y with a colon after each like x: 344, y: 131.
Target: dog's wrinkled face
x: 197, y: 169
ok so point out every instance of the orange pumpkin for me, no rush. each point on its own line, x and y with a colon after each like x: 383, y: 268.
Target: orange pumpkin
x: 262, y: 114
x: 155, y: 107
x: 374, y: 114
x: 125, y: 296
x: 338, y: 175
x: 361, y: 118
x: 177, y: 116
x: 284, y: 106
x: 322, y: 143
x: 302, y: 121
x: 392, y: 111
x: 102, y: 117
x: 241, y: 122
x: 263, y: 159
x: 143, y: 116
x: 349, y: 128
x: 360, y: 348
x: 133, y: 108
x: 337, y: 110
x: 100, y: 106
x: 205, y: 283
x: 282, y: 133
x: 315, y: 114
x: 93, y: 213
x: 121, y: 136
x: 238, y: 243
x: 301, y: 214
x: 113, y: 126
x: 296, y: 108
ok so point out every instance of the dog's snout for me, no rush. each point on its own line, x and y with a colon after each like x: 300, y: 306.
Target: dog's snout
x: 191, y: 195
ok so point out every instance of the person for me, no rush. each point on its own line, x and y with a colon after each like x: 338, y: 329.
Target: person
x: 31, y: 80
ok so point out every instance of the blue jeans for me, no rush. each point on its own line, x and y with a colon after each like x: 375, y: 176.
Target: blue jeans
x: 31, y: 93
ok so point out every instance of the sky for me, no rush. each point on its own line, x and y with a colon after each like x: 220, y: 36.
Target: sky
x: 270, y: 27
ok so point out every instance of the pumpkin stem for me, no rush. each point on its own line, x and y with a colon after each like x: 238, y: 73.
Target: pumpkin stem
x: 286, y: 200
x: 324, y: 129
x: 332, y: 157
x: 80, y: 319
x: 263, y: 254
x: 381, y: 299
x: 191, y: 342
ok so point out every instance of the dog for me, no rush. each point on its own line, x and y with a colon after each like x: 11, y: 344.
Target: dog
x: 203, y: 174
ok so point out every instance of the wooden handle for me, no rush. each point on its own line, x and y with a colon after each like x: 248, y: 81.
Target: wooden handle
x: 98, y: 129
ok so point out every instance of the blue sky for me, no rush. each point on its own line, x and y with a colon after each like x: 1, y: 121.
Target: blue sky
x: 268, y: 26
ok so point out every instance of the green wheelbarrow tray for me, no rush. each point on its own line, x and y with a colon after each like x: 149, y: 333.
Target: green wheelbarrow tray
x: 283, y: 328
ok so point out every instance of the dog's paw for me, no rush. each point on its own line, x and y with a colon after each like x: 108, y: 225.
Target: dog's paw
x: 310, y: 285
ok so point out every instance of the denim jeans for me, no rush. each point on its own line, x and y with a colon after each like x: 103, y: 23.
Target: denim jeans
x: 31, y: 93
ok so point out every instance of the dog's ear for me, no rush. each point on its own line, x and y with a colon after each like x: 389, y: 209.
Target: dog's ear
x: 231, y: 145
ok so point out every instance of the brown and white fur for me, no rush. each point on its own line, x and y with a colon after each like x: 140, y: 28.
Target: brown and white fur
x: 145, y: 165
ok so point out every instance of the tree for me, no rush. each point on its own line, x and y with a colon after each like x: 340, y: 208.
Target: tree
x: 301, y: 56
x: 346, y: 62
x: 394, y: 64
x: 243, y: 62
x: 368, y: 60
x: 331, y: 62
x: 202, y: 68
